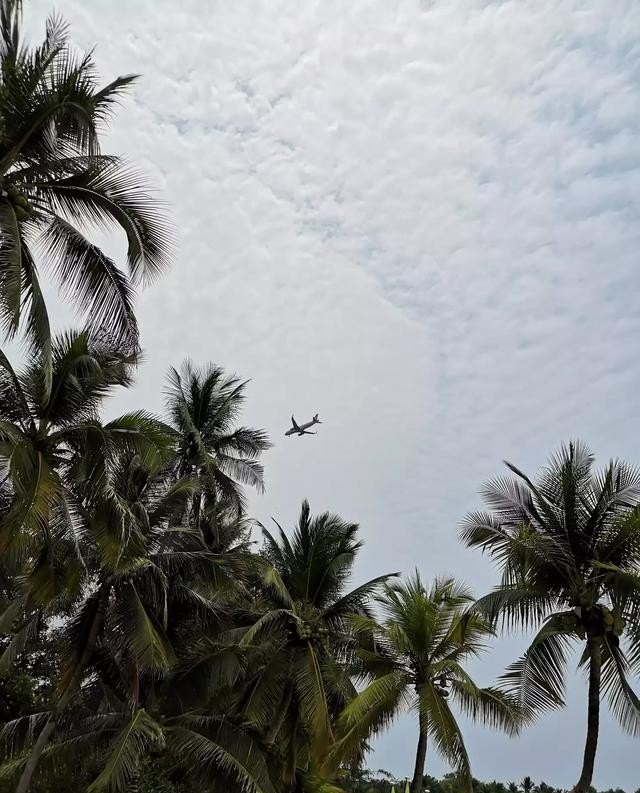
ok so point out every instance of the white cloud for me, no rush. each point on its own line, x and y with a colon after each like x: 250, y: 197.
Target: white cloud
x: 418, y: 219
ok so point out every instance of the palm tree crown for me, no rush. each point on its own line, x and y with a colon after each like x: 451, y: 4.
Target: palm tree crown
x: 305, y: 620
x: 54, y: 181
x: 204, y: 405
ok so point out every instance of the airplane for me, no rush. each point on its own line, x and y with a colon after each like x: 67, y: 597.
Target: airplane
x: 302, y: 429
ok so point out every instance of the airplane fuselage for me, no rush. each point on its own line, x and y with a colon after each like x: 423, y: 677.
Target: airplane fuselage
x: 301, y: 429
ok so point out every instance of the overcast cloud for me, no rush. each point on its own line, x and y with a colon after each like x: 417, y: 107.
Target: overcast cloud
x: 419, y: 219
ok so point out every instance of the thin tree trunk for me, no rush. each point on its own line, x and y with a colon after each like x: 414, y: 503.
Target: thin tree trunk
x: 275, y: 728
x: 47, y: 731
x: 593, y: 716
x: 421, y: 755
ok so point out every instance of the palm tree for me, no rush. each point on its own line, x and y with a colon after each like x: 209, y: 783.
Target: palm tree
x: 420, y: 648
x: 527, y: 785
x: 204, y: 405
x: 303, y: 637
x: 569, y: 549
x: 54, y: 181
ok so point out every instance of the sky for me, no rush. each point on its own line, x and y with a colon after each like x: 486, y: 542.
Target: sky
x: 420, y: 220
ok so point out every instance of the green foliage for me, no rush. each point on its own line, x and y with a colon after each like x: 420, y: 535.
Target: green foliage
x: 144, y: 643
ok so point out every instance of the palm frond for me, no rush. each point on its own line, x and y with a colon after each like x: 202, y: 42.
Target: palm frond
x: 538, y: 677
x: 623, y: 701
x: 100, y: 291
x: 140, y: 735
x: 444, y: 731
x: 312, y: 699
x: 10, y: 268
x: 495, y: 708
x: 114, y: 193
x: 207, y: 745
x: 371, y: 710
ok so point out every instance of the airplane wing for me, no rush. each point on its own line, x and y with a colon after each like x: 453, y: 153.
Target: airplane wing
x: 306, y: 432
x: 293, y: 424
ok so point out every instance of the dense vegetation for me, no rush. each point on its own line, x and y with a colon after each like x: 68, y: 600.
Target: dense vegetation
x: 146, y: 642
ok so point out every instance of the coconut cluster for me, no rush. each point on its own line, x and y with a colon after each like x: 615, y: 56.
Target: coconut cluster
x: 311, y: 631
x: 597, y: 620
x: 18, y: 200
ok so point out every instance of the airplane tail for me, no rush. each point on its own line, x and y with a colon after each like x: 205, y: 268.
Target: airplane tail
x: 316, y: 419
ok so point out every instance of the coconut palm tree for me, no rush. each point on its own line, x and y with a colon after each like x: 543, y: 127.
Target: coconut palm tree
x: 204, y: 406
x: 54, y: 181
x: 568, y: 546
x: 421, y: 645
x: 303, y: 637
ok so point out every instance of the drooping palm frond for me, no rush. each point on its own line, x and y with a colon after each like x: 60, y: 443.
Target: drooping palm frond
x: 444, y: 730
x: 372, y: 710
x: 490, y: 706
x: 138, y: 737
x: 623, y: 701
x: 538, y: 678
x: 100, y: 290
x: 206, y: 744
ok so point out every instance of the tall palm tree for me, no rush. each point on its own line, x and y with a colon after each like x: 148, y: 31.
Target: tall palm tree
x: 568, y: 545
x: 204, y: 406
x: 54, y: 181
x: 303, y: 638
x: 421, y: 645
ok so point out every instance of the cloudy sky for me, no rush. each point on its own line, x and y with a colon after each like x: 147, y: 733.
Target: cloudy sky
x: 419, y: 219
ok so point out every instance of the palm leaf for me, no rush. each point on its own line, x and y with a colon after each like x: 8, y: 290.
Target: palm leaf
x: 444, y: 730
x: 100, y: 290
x: 10, y: 268
x: 312, y: 699
x: 538, y: 677
x: 19, y: 641
x: 131, y: 746
x: 371, y: 710
x: 491, y: 706
x: 206, y: 745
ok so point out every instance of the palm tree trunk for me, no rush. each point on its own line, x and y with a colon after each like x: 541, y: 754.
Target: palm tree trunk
x: 47, y: 731
x: 421, y: 756
x: 593, y: 716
